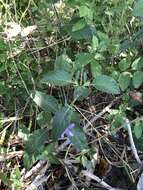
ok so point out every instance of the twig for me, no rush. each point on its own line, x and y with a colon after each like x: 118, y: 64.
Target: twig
x: 106, y: 109
x: 100, y: 181
x: 34, y: 50
x: 40, y: 179
x: 10, y: 155
x: 35, y: 169
x: 134, y: 150
x: 71, y: 187
x: 63, y: 145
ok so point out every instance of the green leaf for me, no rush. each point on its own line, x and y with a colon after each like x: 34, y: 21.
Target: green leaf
x: 28, y: 160
x: 106, y: 84
x: 81, y: 92
x: 2, y: 88
x: 137, y: 64
x: 124, y: 80
x: 47, y: 102
x: 115, y: 74
x: 96, y: 68
x: 63, y: 62
x: 49, y: 153
x: 85, y: 33
x: 86, y: 163
x: 118, y: 120
x: 137, y: 40
x: 125, y: 45
x: 78, y: 25
x: 36, y: 141
x: 137, y: 79
x: 16, y: 178
x: 82, y: 59
x: 95, y: 42
x: 5, y: 179
x: 138, y: 128
x: 23, y: 132
x: 84, y: 11
x: 124, y: 64
x: 104, y: 41
x: 79, y: 139
x: 138, y: 8
x: 57, y: 77
x: 62, y: 119
x: 60, y: 123
x: 44, y: 118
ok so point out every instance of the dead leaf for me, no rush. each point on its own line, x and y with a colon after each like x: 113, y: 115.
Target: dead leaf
x: 28, y: 30
x: 12, y: 30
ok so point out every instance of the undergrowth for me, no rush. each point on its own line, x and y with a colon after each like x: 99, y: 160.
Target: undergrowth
x: 71, y: 78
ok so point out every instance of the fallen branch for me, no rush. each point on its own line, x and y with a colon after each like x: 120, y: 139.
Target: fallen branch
x: 134, y: 150
x: 100, y: 181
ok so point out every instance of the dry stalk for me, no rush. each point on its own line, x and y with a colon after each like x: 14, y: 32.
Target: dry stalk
x: 100, y: 181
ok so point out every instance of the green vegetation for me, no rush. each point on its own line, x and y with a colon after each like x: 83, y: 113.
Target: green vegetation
x: 71, y: 71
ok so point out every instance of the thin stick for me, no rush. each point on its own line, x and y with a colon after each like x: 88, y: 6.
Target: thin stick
x: 100, y: 181
x: 35, y: 169
x: 106, y: 109
x: 134, y: 150
x: 10, y: 155
x: 37, y: 182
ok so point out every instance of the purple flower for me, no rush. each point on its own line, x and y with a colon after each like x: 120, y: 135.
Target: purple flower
x: 68, y: 131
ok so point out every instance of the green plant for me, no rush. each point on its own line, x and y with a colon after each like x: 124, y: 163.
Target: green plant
x: 71, y: 53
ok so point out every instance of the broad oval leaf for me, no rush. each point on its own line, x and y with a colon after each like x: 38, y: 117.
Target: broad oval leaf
x: 96, y: 68
x: 81, y: 92
x: 124, y: 80
x: 36, y: 141
x: 137, y: 79
x: 124, y: 64
x: 82, y: 59
x: 57, y: 77
x: 138, y: 129
x: 44, y: 118
x: 85, y: 33
x: 138, y: 8
x: 79, y: 25
x: 62, y: 119
x: 106, y: 84
x: 63, y: 62
x: 86, y: 12
x: 79, y: 139
x: 125, y: 45
x: 60, y: 123
x: 47, y: 102
x: 137, y: 64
